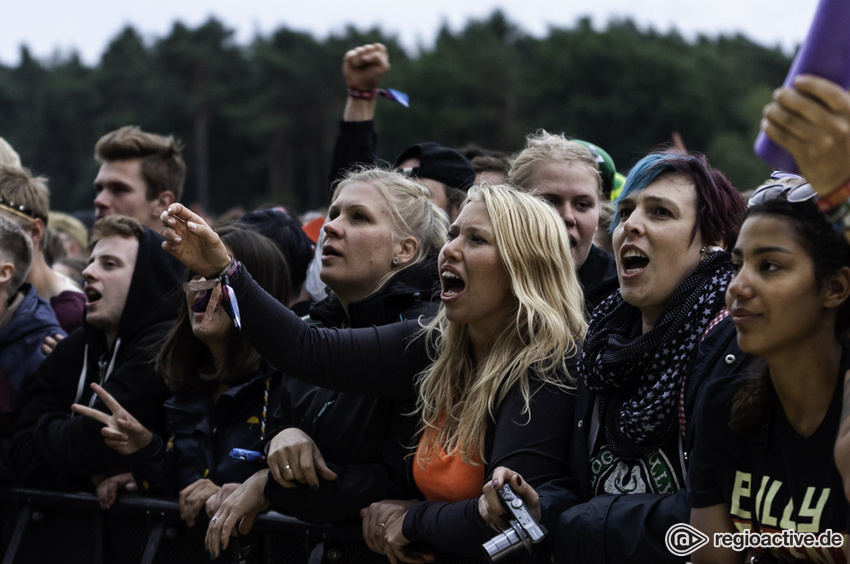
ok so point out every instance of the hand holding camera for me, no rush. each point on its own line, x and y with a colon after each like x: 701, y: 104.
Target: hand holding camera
x: 521, y: 535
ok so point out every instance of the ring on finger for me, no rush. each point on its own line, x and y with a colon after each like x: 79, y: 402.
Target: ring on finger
x: 382, y: 525
x: 214, y: 519
x: 287, y: 467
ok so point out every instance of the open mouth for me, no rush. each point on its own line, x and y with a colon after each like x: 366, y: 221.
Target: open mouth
x: 634, y: 261
x: 92, y: 295
x: 573, y: 241
x: 452, y: 283
x: 330, y: 252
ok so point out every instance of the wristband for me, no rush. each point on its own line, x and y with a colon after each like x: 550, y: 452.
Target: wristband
x: 389, y: 93
x: 228, y: 270
x: 834, y: 199
x: 363, y: 94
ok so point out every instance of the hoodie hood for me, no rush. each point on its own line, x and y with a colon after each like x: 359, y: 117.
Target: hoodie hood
x: 155, y: 293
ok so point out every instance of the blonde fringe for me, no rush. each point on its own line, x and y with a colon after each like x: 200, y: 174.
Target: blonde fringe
x: 546, y: 324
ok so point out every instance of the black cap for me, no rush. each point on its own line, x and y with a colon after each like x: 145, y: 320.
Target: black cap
x: 285, y: 231
x: 439, y: 163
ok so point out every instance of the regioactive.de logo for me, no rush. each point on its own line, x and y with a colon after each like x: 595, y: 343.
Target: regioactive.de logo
x: 682, y: 539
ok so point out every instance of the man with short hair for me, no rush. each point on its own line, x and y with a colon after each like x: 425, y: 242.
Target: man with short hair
x: 25, y: 319
x: 131, y: 296
x: 140, y: 175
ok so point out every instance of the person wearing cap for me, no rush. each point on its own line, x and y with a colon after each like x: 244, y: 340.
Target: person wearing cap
x: 445, y: 172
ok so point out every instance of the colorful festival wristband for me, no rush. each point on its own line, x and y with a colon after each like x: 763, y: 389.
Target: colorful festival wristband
x: 389, y: 93
x: 834, y: 199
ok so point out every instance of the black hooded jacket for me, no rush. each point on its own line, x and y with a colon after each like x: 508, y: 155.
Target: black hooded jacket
x: 51, y: 446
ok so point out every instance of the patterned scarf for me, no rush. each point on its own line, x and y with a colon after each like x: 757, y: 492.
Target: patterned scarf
x: 638, y: 376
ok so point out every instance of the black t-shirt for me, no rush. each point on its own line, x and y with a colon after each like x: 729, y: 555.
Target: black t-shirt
x: 773, y: 479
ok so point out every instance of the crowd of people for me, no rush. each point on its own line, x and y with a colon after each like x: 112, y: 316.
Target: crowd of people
x: 458, y: 325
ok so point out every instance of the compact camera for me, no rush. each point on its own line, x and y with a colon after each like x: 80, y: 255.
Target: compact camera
x: 519, y: 538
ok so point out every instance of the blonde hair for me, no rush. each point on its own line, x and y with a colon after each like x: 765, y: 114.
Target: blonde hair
x: 62, y: 222
x: 458, y: 396
x: 544, y: 147
x: 411, y: 209
x: 8, y: 156
x: 18, y: 186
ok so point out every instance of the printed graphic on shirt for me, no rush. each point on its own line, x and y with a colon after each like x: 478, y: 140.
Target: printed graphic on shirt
x: 774, y: 507
x: 611, y: 474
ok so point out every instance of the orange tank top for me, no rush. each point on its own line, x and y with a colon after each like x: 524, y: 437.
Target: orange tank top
x: 446, y: 477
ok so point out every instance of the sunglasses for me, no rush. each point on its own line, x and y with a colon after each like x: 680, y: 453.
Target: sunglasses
x: 794, y: 193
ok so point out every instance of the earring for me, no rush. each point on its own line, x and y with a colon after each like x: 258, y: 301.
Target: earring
x: 395, y: 260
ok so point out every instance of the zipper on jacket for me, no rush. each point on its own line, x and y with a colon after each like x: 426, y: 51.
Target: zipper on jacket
x: 101, y: 367
x: 324, y: 408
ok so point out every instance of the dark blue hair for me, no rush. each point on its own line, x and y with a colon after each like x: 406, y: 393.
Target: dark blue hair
x: 718, y: 204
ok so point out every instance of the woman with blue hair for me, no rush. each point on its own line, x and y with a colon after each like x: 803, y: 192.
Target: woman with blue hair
x: 648, y: 350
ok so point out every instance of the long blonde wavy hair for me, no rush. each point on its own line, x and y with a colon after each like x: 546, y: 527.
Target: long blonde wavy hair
x: 459, y: 396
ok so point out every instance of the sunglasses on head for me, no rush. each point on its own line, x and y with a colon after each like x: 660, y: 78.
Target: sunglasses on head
x: 794, y: 193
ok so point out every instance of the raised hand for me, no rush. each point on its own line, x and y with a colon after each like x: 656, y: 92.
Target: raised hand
x: 121, y: 431
x: 811, y: 120
x: 295, y: 458
x: 364, y: 67
x: 192, y: 241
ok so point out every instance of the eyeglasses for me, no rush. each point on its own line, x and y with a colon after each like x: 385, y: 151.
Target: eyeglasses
x: 794, y: 193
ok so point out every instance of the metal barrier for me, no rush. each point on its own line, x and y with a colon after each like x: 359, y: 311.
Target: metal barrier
x: 41, y: 526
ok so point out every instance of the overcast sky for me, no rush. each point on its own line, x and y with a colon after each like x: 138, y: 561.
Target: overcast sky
x: 86, y: 26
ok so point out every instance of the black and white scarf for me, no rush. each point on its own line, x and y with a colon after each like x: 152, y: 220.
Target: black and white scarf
x: 637, y: 376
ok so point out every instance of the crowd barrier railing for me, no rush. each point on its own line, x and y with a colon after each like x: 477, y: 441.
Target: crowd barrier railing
x: 44, y: 526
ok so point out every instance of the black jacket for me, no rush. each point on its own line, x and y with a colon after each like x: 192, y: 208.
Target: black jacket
x: 598, y: 277
x: 384, y: 362
x: 363, y: 439
x: 51, y: 447
x: 356, y: 144
x: 629, y: 528
x: 200, y: 436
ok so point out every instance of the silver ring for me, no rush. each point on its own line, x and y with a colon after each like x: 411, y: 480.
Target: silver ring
x: 287, y: 467
x: 214, y: 519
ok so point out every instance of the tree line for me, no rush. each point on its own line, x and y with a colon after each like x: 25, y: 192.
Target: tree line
x: 258, y: 121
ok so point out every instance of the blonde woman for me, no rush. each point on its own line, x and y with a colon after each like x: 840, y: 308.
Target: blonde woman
x: 569, y: 176
x: 488, y: 372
